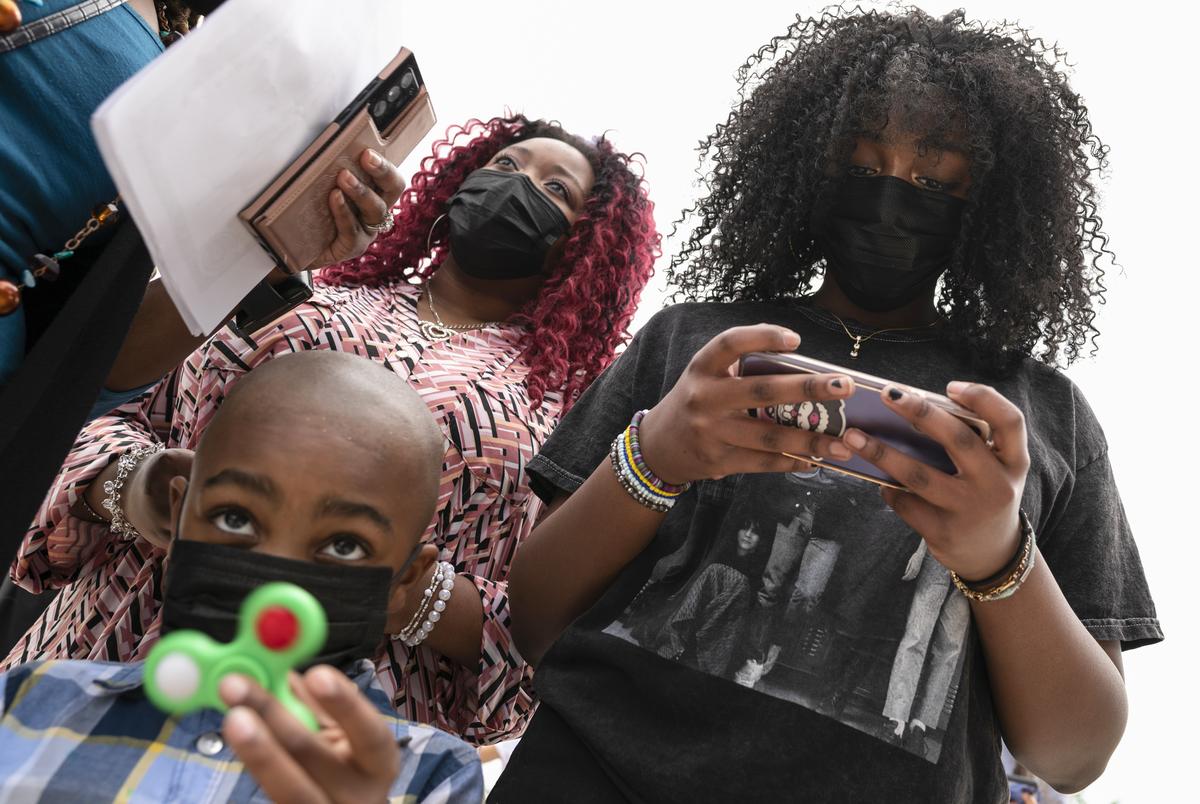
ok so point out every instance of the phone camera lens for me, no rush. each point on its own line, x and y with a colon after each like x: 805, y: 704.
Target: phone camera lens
x: 393, y: 94
x: 409, y: 81
x: 379, y: 109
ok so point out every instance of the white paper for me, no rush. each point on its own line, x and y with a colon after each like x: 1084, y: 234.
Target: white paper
x: 195, y: 136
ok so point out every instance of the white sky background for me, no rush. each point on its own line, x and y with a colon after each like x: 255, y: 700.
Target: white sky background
x: 659, y: 76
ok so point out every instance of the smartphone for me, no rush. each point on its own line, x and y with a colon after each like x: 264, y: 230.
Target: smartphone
x: 291, y: 218
x: 864, y: 410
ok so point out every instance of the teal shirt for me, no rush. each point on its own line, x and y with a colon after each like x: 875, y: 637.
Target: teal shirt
x: 51, y: 174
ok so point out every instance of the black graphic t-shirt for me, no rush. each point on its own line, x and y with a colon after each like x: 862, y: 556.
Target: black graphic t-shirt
x: 786, y: 637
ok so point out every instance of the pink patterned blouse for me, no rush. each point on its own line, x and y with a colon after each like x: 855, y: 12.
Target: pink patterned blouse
x: 473, y: 383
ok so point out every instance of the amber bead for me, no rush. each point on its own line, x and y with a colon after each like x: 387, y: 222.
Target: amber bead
x: 10, y: 296
x: 10, y: 16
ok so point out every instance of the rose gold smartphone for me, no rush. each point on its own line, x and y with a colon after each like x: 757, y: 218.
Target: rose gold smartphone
x: 864, y: 410
x: 291, y: 218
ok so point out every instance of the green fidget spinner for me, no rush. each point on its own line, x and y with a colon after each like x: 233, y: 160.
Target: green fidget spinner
x: 281, y: 627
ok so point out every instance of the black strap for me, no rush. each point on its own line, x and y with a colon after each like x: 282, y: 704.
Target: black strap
x: 268, y: 302
x: 58, y: 21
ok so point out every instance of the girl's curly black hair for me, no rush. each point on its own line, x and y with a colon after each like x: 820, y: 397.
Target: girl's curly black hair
x: 1025, y: 276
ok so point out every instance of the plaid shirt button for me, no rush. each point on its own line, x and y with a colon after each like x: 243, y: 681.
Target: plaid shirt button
x: 210, y: 744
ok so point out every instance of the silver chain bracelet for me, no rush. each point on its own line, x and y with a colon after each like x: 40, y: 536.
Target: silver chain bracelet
x: 125, y: 464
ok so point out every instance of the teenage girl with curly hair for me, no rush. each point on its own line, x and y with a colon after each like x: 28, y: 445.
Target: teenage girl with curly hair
x: 517, y: 259
x: 914, y: 197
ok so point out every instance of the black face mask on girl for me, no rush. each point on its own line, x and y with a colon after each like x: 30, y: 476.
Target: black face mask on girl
x: 206, y: 584
x: 886, y: 241
x: 502, y: 226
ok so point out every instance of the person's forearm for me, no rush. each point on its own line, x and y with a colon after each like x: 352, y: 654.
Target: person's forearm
x: 1060, y: 697
x: 459, y: 633
x: 571, y: 558
x: 157, y: 342
x: 95, y: 494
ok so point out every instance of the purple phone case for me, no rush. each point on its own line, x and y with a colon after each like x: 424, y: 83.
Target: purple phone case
x: 864, y: 409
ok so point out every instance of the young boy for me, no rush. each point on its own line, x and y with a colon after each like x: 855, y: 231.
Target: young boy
x: 320, y: 469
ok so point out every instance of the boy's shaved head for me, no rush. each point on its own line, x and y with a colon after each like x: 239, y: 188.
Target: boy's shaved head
x: 334, y: 415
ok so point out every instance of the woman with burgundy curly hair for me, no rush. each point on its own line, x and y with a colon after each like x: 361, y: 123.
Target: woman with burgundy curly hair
x: 515, y: 265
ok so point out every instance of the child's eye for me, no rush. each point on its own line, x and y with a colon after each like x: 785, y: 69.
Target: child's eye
x: 345, y: 548
x: 233, y: 520
x: 861, y: 171
x: 507, y: 161
x: 559, y: 189
x: 934, y: 184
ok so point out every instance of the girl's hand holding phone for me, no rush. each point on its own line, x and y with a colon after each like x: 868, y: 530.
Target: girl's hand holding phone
x: 970, y: 520
x: 700, y: 429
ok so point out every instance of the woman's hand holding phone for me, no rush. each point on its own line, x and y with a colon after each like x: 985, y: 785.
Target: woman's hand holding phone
x: 969, y: 520
x: 700, y: 429
x: 355, y: 206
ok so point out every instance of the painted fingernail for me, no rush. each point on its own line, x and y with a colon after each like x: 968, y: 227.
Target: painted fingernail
x: 957, y: 387
x: 855, y: 439
x: 838, y: 450
x: 895, y: 394
x: 373, y: 158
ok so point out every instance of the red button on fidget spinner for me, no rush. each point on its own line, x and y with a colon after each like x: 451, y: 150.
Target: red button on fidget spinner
x: 277, y: 628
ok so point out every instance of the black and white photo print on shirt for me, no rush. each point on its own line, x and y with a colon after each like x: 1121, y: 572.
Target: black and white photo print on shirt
x: 861, y: 625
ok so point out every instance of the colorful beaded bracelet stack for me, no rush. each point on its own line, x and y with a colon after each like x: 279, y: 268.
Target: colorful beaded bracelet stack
x: 436, y: 595
x: 112, y: 488
x: 1010, y: 580
x: 635, y: 477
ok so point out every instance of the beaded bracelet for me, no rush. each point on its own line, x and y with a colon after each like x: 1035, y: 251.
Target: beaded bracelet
x: 436, y: 595
x: 634, y: 450
x: 638, y: 481
x: 1025, y: 559
x: 425, y: 607
x: 125, y: 464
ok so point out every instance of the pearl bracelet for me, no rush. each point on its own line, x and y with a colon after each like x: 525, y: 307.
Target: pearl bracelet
x: 436, y: 596
x: 125, y: 465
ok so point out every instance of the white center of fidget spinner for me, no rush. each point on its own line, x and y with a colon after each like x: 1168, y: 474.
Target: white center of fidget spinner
x: 178, y: 676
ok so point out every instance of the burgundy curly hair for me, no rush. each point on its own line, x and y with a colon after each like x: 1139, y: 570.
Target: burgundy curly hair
x: 582, y: 313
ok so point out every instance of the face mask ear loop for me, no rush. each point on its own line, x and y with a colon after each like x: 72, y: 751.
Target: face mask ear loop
x: 429, y: 237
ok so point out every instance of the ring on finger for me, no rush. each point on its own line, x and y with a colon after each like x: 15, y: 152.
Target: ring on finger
x: 383, y: 227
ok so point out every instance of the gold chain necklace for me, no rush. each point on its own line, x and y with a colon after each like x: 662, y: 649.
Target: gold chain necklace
x: 439, y: 330
x: 859, y: 340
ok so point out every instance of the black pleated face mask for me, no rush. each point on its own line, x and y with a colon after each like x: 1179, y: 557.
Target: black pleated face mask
x: 206, y: 584
x: 502, y: 226
x: 887, y: 241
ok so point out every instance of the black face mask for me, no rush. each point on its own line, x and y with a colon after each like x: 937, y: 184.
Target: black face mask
x: 206, y: 584
x: 502, y: 226
x: 886, y: 241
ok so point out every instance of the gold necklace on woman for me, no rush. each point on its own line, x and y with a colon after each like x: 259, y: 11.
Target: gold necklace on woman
x: 859, y: 340
x: 439, y: 330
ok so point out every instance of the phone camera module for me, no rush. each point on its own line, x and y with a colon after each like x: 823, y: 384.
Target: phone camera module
x: 393, y: 94
x: 408, y: 81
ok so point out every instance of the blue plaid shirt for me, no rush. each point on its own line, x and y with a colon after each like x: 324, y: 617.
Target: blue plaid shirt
x: 74, y: 731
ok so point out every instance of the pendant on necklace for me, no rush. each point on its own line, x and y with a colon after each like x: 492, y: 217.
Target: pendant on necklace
x: 857, y: 344
x: 435, y: 332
